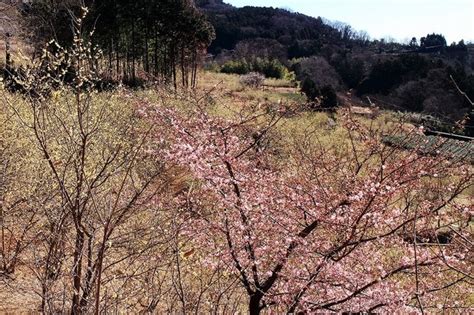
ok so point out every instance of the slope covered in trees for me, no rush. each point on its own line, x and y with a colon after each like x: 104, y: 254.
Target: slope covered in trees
x: 213, y: 5
x: 413, y: 76
x: 165, y: 39
x: 301, y: 35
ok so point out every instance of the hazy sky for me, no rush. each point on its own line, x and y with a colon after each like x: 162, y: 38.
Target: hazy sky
x: 400, y: 19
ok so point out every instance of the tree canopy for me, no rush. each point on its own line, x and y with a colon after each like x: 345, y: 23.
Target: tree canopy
x: 163, y: 38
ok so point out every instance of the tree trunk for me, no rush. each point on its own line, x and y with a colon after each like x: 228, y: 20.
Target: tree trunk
x: 44, y: 296
x: 89, y: 277
x: 254, y: 303
x: 183, y: 67
x: 8, y: 57
x: 147, y: 61
x: 133, y: 52
x: 100, y: 263
x: 173, y: 67
x: 77, y: 272
x: 118, y: 59
x: 111, y: 48
x: 194, y: 71
x: 156, y: 54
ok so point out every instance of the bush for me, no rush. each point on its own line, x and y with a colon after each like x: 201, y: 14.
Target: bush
x: 271, y: 68
x: 308, y: 87
x: 212, y: 67
x: 290, y: 76
x: 236, y: 67
x: 253, y: 79
x: 318, y: 70
x: 351, y: 71
x: 327, y: 95
x: 412, y: 95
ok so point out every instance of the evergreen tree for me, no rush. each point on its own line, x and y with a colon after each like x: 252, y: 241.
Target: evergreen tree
x: 163, y: 38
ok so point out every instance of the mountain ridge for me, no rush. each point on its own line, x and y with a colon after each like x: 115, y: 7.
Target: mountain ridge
x: 213, y: 5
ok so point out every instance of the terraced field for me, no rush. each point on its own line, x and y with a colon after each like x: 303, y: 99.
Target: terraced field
x: 433, y: 145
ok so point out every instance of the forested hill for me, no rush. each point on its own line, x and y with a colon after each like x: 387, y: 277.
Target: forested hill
x: 416, y: 76
x: 213, y: 5
x: 298, y: 34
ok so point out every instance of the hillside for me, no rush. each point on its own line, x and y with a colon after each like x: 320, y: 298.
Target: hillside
x: 213, y: 5
x: 419, y: 76
x: 329, y: 56
x: 140, y: 175
x: 291, y: 156
x: 300, y: 35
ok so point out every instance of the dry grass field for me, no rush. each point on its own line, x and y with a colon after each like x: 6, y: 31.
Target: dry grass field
x: 221, y: 95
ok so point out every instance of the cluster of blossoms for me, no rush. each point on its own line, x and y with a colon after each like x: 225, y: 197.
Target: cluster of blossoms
x: 326, y: 231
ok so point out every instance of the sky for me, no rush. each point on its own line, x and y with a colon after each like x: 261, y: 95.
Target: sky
x: 399, y: 19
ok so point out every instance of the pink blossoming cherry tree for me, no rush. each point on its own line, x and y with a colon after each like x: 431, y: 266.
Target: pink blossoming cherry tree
x: 356, y: 226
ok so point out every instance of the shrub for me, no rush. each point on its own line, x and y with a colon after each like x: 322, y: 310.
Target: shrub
x: 351, y: 71
x: 328, y: 97
x: 308, y: 87
x: 212, y: 67
x: 412, y: 95
x: 318, y: 70
x: 271, y: 68
x: 290, y: 76
x: 253, y: 79
x: 236, y: 67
